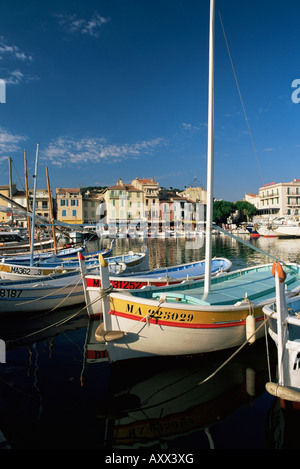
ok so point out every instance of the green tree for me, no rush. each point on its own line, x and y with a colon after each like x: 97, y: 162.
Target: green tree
x: 222, y: 209
x: 246, y: 210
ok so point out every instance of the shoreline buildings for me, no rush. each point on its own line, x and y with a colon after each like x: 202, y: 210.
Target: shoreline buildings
x: 142, y: 203
x: 277, y: 199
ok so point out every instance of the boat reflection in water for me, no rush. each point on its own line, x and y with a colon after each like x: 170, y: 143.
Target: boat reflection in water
x: 154, y: 403
x: 182, y: 402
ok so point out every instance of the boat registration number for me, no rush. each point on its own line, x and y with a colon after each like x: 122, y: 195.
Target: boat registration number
x: 120, y: 284
x: 24, y: 271
x: 10, y: 293
x: 123, y: 285
x: 158, y: 314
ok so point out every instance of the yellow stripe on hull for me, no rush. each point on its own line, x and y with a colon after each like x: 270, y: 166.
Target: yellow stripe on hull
x: 181, y: 315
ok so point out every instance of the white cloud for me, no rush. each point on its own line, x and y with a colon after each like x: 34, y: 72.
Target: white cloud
x: 10, y: 143
x: 192, y: 127
x: 91, y: 26
x: 14, y: 77
x: 11, y: 59
x: 12, y: 51
x: 66, y: 150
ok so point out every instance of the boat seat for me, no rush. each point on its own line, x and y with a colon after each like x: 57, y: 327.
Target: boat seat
x: 180, y: 298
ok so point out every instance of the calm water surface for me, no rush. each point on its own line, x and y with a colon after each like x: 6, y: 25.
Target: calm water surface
x: 50, y: 398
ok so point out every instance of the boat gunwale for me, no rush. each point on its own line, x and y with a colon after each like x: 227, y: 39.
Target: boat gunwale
x: 136, y: 296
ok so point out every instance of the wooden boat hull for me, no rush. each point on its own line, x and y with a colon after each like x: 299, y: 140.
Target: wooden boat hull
x: 157, y: 278
x: 180, y: 320
x: 175, y: 330
x: 62, y: 255
x: 23, y: 246
x: 287, y: 231
x: 30, y: 296
x: 17, y: 272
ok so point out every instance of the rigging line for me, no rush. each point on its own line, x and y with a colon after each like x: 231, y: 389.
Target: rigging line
x: 240, y: 95
x: 3, y: 167
x: 18, y: 176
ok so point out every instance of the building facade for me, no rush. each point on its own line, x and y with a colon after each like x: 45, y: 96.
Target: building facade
x: 123, y: 204
x: 150, y: 198
x: 69, y: 205
x: 277, y: 199
x: 5, y: 215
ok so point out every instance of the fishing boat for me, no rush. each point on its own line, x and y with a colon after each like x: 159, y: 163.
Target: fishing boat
x: 253, y: 230
x: 184, y: 320
x: 55, y: 290
x: 31, y: 296
x: 266, y: 230
x: 214, y: 314
x: 129, y: 262
x: 12, y: 242
x: 284, y: 329
x: 160, y: 277
x: 63, y: 255
x: 287, y: 229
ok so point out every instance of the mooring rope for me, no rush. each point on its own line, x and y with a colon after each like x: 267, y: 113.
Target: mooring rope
x: 50, y: 294
x: 209, y: 377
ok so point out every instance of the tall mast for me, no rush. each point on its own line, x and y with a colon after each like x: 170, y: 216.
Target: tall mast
x: 51, y: 211
x: 34, y: 202
x: 210, y: 151
x: 10, y: 188
x: 27, y: 197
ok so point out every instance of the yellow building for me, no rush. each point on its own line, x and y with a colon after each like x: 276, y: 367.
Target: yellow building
x: 92, y: 204
x: 123, y: 203
x: 69, y: 206
x: 150, y: 195
x: 5, y: 215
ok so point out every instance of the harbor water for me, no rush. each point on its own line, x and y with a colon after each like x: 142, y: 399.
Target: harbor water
x: 51, y: 397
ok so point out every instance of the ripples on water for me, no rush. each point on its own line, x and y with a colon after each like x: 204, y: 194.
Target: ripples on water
x: 171, y: 251
x: 155, y: 404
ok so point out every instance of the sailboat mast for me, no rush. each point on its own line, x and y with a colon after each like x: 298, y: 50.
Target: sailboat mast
x: 34, y: 203
x: 27, y: 197
x: 10, y: 189
x: 210, y: 151
x: 51, y: 211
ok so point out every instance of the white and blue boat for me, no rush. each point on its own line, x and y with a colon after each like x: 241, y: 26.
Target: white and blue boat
x: 156, y: 278
x: 62, y: 255
x: 284, y: 329
x: 130, y: 262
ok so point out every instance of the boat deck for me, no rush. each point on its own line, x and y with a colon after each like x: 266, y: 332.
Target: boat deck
x: 257, y: 285
x: 184, y: 271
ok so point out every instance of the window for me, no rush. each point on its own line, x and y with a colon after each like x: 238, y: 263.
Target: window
x: 74, y: 213
x: 64, y: 213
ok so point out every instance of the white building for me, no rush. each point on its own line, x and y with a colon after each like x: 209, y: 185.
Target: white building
x: 277, y: 199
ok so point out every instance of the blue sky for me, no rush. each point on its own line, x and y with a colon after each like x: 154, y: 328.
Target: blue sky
x: 118, y: 88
